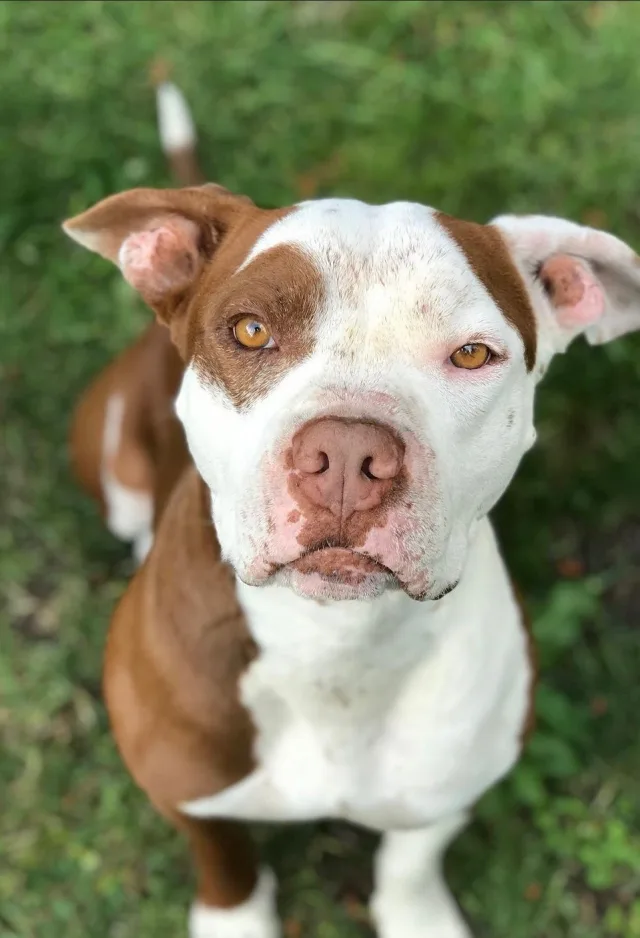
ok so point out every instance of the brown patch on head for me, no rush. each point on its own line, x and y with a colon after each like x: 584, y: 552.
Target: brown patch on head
x: 181, y: 249
x: 173, y: 234
x: 280, y: 288
x: 489, y: 258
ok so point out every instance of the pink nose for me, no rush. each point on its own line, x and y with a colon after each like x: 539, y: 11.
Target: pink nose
x: 346, y: 466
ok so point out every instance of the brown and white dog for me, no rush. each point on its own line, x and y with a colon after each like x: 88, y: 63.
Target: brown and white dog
x: 323, y: 625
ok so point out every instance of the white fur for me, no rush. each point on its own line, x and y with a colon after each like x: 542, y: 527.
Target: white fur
x: 255, y: 918
x: 142, y: 544
x: 411, y: 899
x: 388, y: 713
x: 129, y: 511
x: 175, y: 124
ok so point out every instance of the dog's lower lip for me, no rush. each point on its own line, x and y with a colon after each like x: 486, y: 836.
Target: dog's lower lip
x: 337, y: 563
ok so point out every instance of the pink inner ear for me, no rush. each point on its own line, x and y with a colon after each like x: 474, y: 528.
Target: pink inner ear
x: 161, y: 260
x: 573, y: 290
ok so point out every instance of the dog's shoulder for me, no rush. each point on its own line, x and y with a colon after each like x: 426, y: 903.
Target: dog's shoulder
x: 177, y: 648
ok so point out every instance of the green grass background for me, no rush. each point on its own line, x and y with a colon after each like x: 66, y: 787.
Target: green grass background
x: 475, y: 107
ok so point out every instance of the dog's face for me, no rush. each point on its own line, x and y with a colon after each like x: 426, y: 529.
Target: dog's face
x: 354, y: 450
x: 360, y: 379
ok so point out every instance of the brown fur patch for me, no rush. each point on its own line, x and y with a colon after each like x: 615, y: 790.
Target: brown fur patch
x: 224, y: 858
x: 491, y: 262
x: 172, y: 692
x: 151, y: 452
x: 280, y: 287
x: 132, y: 467
x: 185, y: 167
x: 107, y: 224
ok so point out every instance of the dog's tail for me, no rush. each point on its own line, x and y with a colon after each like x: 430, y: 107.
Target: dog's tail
x: 176, y: 128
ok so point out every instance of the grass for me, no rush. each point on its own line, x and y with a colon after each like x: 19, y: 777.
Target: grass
x: 475, y: 107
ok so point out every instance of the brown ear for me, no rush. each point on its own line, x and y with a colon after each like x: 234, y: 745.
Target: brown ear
x: 160, y: 238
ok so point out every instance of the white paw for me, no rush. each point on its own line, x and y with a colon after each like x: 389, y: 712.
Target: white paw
x: 255, y: 918
x: 403, y: 916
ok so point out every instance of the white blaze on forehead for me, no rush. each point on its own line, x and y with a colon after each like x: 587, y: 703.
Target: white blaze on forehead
x: 394, y: 280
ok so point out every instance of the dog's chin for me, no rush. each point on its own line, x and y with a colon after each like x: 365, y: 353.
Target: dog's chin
x: 336, y: 574
x: 321, y: 588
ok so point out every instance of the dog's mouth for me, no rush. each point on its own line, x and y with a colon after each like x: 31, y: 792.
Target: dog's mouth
x: 336, y: 573
x: 339, y: 565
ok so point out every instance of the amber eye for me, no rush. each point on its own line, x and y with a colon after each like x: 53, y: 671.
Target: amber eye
x: 252, y: 334
x: 471, y: 356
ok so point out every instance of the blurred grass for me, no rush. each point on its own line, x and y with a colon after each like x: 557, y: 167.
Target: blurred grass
x: 476, y: 107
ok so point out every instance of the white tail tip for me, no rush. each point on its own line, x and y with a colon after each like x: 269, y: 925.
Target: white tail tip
x: 175, y: 124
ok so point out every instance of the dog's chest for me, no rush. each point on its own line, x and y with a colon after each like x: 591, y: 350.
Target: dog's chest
x: 326, y: 731
x: 402, y: 729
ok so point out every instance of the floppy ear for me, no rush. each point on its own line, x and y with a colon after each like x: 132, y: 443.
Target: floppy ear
x: 581, y: 280
x: 160, y: 239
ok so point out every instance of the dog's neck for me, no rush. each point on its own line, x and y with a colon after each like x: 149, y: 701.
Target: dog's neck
x: 326, y: 625
x: 316, y: 656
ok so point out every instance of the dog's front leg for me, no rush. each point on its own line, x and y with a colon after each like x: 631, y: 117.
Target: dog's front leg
x: 235, y: 900
x: 411, y: 898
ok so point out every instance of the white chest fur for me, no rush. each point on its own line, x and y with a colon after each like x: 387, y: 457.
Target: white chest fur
x: 390, y: 713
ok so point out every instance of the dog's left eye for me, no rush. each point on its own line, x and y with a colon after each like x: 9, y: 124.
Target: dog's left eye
x: 471, y: 356
x: 253, y: 334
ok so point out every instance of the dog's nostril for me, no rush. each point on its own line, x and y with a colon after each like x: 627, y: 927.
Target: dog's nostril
x: 365, y: 468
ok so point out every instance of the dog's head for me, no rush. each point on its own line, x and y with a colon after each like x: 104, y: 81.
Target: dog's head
x: 359, y: 379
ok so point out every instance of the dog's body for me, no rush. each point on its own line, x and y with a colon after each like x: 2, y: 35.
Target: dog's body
x: 369, y: 660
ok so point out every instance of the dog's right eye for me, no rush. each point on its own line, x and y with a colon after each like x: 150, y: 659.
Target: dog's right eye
x: 471, y: 356
x: 250, y: 333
